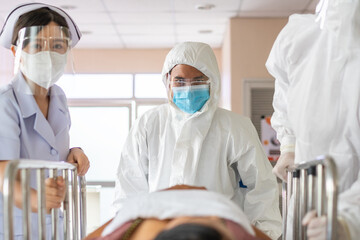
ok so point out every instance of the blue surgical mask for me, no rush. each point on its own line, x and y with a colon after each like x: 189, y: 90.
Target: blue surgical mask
x: 191, y: 99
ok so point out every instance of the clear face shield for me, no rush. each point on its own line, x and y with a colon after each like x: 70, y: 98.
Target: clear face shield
x: 43, y: 53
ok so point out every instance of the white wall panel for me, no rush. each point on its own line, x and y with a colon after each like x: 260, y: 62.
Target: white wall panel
x: 141, y: 18
x: 149, y: 29
x: 138, y: 5
x: 204, y: 17
x: 274, y: 5
x: 219, y: 6
x: 149, y: 41
x: 217, y: 29
x: 98, y: 41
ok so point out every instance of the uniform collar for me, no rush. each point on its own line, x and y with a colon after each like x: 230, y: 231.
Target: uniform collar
x: 27, y: 101
x: 57, y: 116
x: 24, y: 96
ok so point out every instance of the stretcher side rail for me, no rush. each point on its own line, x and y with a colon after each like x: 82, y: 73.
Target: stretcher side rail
x: 73, y: 207
x: 312, y: 186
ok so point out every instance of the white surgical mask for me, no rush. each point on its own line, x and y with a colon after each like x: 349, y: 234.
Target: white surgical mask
x: 43, y: 68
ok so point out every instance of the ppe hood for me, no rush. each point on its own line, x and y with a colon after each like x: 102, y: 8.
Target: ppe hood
x: 342, y: 17
x: 200, y: 56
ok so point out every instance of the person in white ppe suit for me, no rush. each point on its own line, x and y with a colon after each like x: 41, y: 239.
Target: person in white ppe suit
x: 192, y: 141
x: 315, y: 61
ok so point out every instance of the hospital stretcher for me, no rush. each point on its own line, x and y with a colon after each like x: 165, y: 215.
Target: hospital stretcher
x: 311, y: 186
x: 73, y: 207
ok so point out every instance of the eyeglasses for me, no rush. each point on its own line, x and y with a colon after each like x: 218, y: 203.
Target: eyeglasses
x: 181, y: 82
x: 35, y: 45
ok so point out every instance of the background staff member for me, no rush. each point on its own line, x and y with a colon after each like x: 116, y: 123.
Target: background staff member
x: 315, y: 61
x: 192, y: 141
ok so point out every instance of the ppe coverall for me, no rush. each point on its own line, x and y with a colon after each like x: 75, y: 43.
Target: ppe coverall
x: 315, y: 61
x: 349, y: 209
x: 213, y: 147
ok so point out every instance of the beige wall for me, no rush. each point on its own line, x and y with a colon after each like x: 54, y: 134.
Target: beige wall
x: 104, y: 61
x: 118, y: 61
x: 122, y: 61
x: 246, y: 46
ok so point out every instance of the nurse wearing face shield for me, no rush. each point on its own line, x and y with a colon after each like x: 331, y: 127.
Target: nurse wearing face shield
x: 35, y: 119
x: 315, y: 61
x: 41, y: 54
x: 192, y: 141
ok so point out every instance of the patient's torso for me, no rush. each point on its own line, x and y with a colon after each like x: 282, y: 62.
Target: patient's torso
x: 131, y: 231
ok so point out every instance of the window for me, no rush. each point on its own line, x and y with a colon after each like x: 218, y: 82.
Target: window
x: 103, y: 107
x: 95, y: 86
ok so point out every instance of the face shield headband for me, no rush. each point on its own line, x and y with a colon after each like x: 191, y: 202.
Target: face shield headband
x: 6, y: 32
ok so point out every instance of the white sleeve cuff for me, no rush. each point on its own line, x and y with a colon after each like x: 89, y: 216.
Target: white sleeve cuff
x: 287, y: 148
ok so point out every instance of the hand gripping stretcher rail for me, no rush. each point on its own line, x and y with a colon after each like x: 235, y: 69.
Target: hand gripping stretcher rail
x: 73, y: 207
x: 312, y: 186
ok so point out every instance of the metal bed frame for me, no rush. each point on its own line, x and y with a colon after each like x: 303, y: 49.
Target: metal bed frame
x: 313, y: 186
x: 73, y: 207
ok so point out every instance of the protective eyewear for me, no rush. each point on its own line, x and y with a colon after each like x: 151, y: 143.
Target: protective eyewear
x: 35, y: 39
x: 181, y: 82
x: 35, y: 45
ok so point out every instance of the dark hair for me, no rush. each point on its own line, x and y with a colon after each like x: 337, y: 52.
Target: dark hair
x: 38, y: 17
x: 189, y: 231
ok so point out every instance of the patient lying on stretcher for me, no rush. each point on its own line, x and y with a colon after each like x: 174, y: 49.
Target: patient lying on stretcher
x: 184, y: 212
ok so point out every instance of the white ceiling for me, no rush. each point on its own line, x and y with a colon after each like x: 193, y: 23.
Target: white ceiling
x: 161, y: 23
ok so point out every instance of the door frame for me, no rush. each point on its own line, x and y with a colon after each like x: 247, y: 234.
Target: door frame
x: 248, y: 85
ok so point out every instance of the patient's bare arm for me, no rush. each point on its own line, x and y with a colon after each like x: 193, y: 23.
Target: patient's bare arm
x: 98, y: 231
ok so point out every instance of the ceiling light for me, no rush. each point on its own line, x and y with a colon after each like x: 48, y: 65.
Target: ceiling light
x: 205, y: 6
x: 205, y: 31
x: 68, y: 7
x: 86, y: 32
